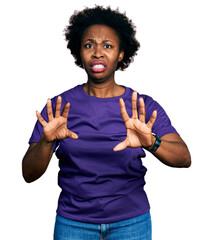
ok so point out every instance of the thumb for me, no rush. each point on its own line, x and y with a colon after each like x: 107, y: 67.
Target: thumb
x: 72, y: 135
x: 120, y: 146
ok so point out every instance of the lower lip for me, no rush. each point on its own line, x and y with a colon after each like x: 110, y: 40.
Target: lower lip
x: 98, y: 70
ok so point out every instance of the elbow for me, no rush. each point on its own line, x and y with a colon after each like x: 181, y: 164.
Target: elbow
x: 27, y: 177
x: 185, y: 161
x: 25, y: 174
x: 188, y: 161
x: 27, y: 180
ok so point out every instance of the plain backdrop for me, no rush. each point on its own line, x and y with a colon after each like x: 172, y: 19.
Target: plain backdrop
x: 174, y: 65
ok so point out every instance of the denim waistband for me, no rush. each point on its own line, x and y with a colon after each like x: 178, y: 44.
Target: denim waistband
x: 93, y: 226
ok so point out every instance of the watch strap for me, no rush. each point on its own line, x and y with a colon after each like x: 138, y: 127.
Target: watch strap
x: 156, y: 144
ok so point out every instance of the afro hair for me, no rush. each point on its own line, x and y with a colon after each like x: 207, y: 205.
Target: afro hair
x: 124, y: 27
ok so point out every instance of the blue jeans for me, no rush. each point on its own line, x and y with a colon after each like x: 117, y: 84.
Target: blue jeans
x: 137, y: 228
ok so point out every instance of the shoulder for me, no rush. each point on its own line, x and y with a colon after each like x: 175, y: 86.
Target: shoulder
x: 151, y: 104
x: 147, y: 99
x: 73, y: 92
x: 162, y: 124
x: 69, y: 95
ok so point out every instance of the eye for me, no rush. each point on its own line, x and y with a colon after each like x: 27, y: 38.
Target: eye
x: 88, y: 45
x: 107, y: 46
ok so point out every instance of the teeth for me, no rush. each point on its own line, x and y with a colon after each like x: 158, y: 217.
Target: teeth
x: 98, y: 66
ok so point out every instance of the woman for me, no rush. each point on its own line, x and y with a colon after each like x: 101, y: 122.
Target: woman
x: 100, y: 136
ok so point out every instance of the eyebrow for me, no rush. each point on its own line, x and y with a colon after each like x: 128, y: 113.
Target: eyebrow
x: 92, y: 40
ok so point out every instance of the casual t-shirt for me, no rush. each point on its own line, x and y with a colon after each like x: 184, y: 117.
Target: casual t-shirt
x: 100, y: 185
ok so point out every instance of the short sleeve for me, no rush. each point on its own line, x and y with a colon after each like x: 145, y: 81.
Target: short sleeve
x: 162, y: 125
x: 38, y: 129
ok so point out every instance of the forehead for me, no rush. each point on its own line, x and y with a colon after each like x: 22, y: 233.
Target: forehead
x: 100, y: 32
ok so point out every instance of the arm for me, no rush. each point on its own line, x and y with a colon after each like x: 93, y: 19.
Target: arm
x: 38, y: 156
x: 36, y: 160
x: 172, y: 151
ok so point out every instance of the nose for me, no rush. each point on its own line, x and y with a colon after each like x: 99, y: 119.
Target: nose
x: 97, y: 52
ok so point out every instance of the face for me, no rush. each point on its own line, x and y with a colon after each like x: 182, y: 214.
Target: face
x: 100, y: 53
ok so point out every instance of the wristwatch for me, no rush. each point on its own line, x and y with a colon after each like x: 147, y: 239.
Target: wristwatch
x: 156, y: 144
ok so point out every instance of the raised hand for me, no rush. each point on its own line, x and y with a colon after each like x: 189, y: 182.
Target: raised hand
x: 139, y: 133
x: 56, y: 127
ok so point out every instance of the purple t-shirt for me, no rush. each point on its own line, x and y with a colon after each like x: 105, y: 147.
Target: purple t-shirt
x: 100, y: 185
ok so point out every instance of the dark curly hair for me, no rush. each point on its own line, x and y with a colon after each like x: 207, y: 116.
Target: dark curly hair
x: 124, y: 27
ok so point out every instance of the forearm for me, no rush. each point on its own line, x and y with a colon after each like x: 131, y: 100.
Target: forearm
x: 173, y: 153
x: 36, y: 160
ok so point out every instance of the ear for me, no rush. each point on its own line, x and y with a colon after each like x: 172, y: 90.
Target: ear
x: 121, y: 56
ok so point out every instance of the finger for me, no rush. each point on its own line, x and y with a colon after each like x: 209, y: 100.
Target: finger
x: 124, y: 113
x: 66, y: 110
x: 152, y: 120
x: 49, y: 110
x: 72, y: 135
x: 58, y: 107
x: 40, y: 119
x: 142, y: 110
x: 134, y: 105
x: 121, y: 146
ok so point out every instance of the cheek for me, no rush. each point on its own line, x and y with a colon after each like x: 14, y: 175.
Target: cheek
x: 83, y: 58
x: 115, y: 57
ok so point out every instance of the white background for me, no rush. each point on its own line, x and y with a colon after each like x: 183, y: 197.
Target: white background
x: 174, y: 65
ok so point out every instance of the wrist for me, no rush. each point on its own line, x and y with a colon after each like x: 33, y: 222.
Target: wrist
x: 153, y: 142
x: 44, y: 140
x: 156, y: 143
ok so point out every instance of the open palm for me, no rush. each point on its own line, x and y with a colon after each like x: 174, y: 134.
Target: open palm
x: 56, y: 127
x: 139, y: 133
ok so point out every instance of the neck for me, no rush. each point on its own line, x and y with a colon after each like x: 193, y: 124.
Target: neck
x: 104, y: 90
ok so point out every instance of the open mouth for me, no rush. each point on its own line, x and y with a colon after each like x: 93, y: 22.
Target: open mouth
x: 98, y: 67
